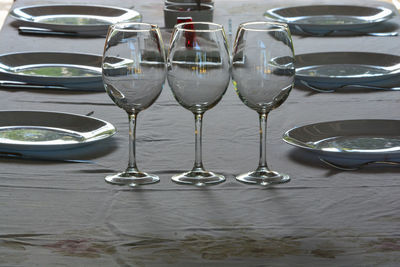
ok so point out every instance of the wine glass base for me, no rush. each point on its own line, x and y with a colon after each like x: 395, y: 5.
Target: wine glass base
x: 132, y: 178
x: 264, y: 178
x: 198, y: 178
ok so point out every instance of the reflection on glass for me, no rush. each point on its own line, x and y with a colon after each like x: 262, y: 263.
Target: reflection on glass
x: 72, y: 20
x: 37, y: 134
x: 263, y: 74
x: 133, y: 73
x: 198, y: 74
x: 58, y: 71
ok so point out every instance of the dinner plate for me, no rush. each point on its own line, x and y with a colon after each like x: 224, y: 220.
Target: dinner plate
x: 53, y: 68
x: 43, y: 130
x: 322, y: 18
x: 355, y: 141
x: 88, y: 19
x: 335, y: 69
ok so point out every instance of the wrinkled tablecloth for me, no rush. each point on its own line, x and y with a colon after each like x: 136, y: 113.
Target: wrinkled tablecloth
x: 65, y: 214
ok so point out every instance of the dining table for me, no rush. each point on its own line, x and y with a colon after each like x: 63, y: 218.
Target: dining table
x: 56, y: 212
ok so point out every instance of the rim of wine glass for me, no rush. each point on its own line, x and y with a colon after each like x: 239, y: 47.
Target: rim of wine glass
x: 269, y: 23
x: 119, y: 26
x: 179, y: 26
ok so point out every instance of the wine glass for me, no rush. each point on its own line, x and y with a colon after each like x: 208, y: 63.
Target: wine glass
x: 134, y: 71
x: 263, y: 73
x: 198, y: 71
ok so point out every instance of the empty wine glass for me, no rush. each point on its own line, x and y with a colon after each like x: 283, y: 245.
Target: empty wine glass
x: 198, y: 73
x: 134, y: 72
x: 263, y: 73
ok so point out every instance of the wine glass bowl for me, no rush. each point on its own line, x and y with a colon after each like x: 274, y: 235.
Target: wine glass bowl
x: 198, y: 65
x: 198, y: 72
x: 134, y: 71
x: 263, y: 74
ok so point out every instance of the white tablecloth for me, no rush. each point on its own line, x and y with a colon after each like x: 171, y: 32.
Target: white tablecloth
x: 64, y: 214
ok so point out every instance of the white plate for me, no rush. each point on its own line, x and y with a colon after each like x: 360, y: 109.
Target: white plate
x: 320, y: 18
x: 43, y: 131
x: 346, y: 141
x: 335, y: 69
x: 88, y: 19
x: 53, y: 68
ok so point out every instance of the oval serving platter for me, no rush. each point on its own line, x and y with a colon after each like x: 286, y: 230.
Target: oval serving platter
x: 317, y: 18
x: 88, y: 19
x: 43, y: 130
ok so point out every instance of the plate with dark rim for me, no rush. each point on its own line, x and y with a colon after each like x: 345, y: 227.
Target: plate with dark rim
x: 88, y: 19
x: 334, y: 69
x: 349, y: 140
x: 323, y: 18
x: 53, y: 68
x: 44, y: 130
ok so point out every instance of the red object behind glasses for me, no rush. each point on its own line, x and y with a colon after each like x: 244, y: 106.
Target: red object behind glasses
x: 190, y: 36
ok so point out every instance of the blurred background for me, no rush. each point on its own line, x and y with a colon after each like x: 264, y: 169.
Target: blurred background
x: 5, y: 6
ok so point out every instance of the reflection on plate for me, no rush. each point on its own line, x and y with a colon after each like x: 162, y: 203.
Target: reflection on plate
x: 91, y: 19
x: 349, y: 140
x: 335, y: 69
x: 42, y: 130
x: 317, y: 18
x: 79, y: 70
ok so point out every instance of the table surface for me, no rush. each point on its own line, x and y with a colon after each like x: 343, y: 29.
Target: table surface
x: 64, y: 214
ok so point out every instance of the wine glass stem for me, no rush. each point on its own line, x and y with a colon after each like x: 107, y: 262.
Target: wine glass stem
x: 263, y: 141
x: 132, y: 142
x: 198, y: 162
